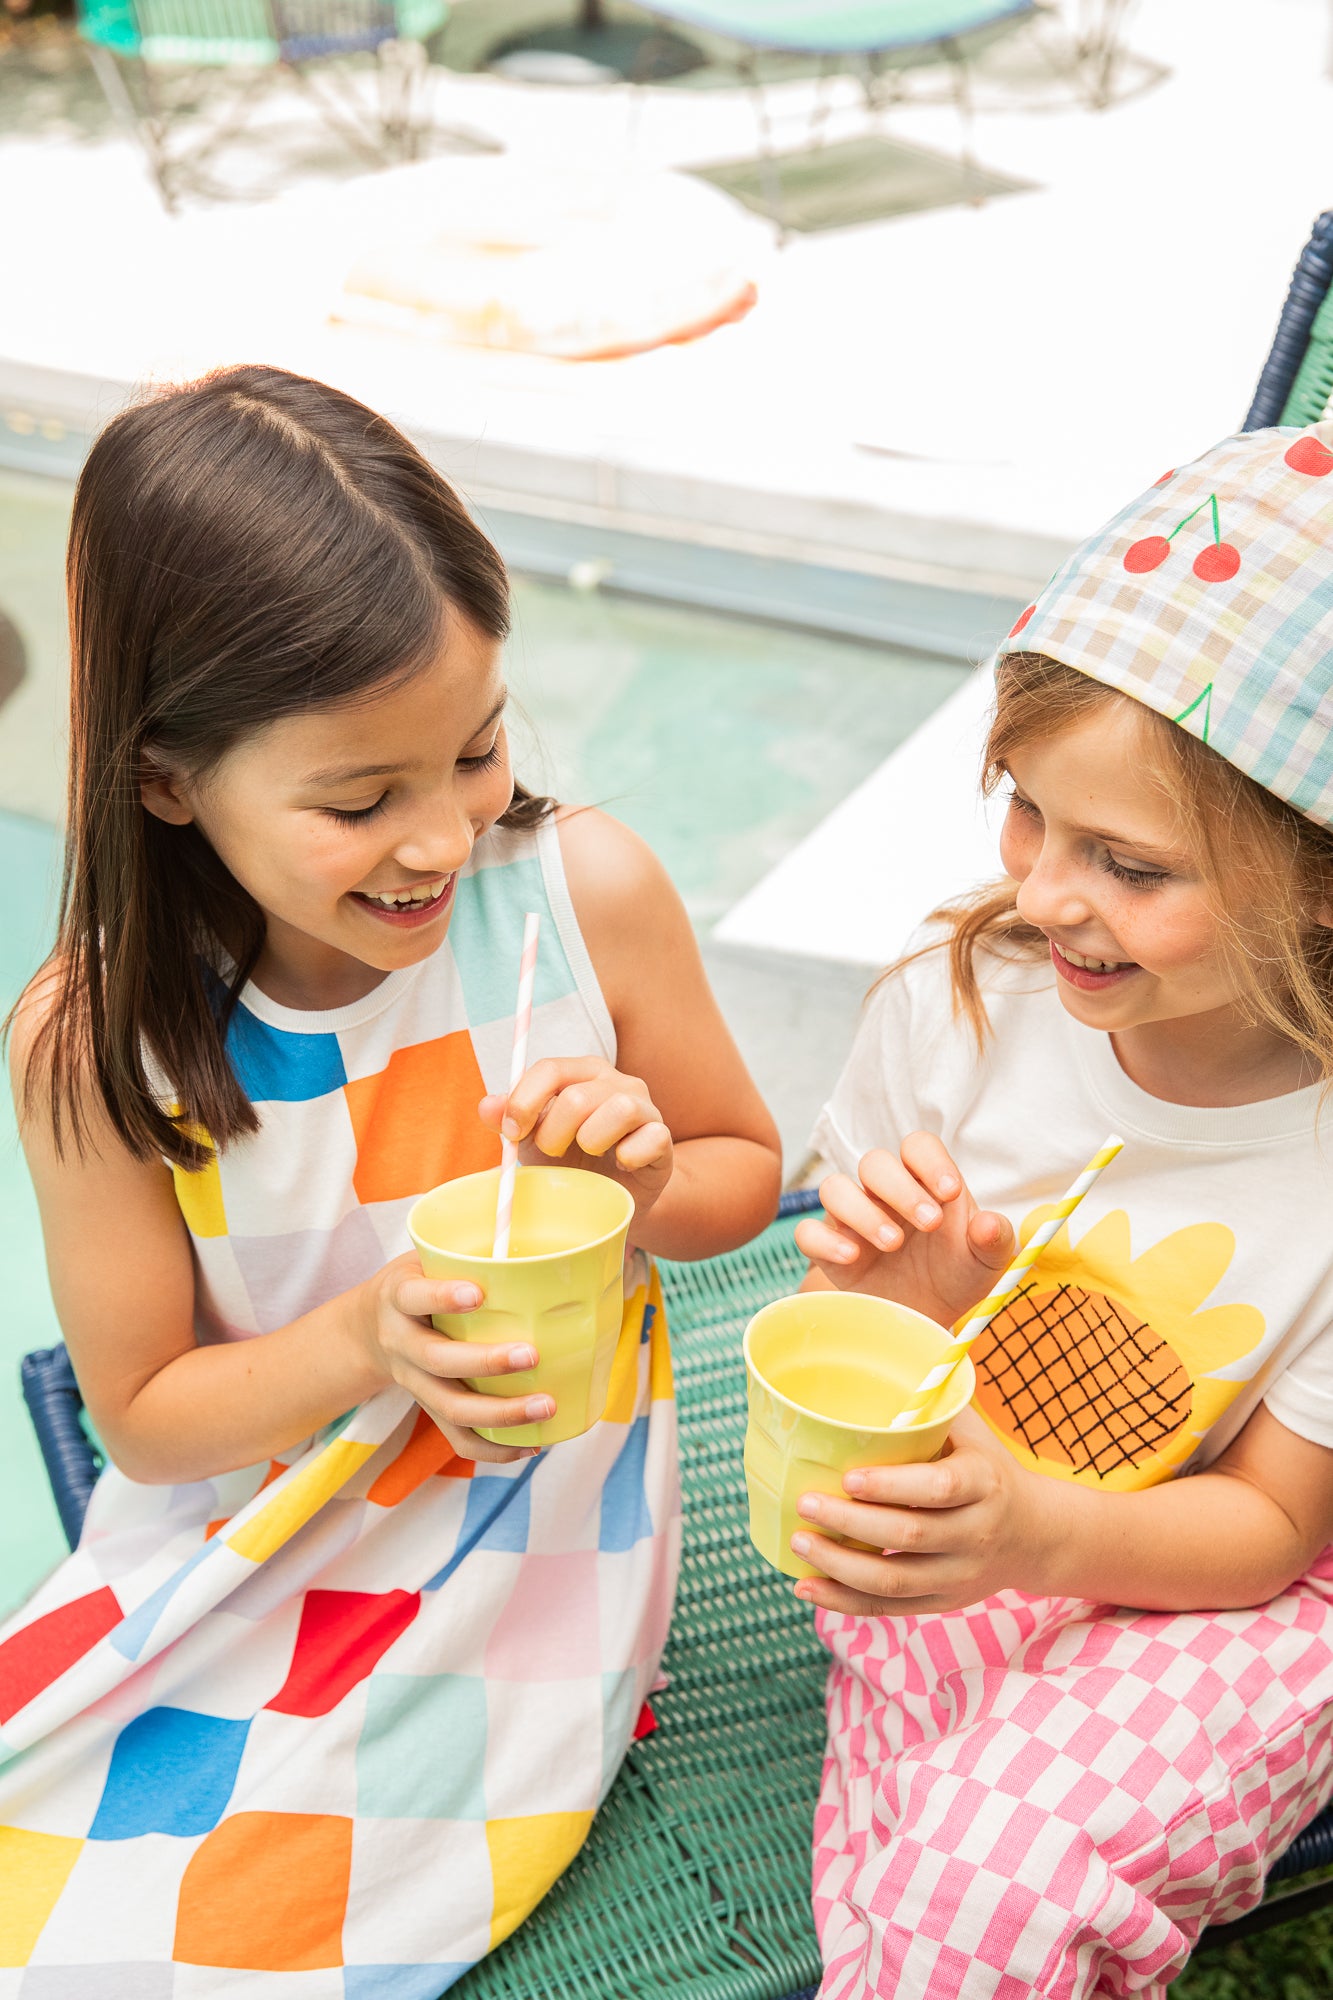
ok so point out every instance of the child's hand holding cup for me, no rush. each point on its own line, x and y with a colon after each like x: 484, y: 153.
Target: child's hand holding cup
x: 559, y: 1290
x: 827, y: 1374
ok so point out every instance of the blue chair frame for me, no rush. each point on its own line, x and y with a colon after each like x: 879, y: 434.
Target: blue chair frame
x: 1308, y: 289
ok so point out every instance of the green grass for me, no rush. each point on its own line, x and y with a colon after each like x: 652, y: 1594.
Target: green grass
x: 1293, y: 1963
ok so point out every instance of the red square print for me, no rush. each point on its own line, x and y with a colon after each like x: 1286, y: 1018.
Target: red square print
x: 342, y: 1636
x: 39, y: 1653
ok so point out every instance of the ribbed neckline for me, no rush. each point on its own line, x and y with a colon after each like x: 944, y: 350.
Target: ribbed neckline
x: 333, y: 1020
x: 1294, y: 1115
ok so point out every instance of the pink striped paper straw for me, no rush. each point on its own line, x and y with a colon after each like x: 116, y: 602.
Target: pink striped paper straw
x: 527, y: 971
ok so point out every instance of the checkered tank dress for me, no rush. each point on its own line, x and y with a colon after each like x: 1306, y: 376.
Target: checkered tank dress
x: 332, y: 1725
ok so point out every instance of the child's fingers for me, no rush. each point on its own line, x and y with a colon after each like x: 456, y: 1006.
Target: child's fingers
x: 959, y: 1480
x: 625, y: 1111
x: 419, y: 1297
x: 648, y: 1147
x: 537, y: 1086
x: 885, y: 1577
x: 462, y: 1437
x: 824, y: 1595
x: 824, y: 1243
x: 456, y: 1360
x: 453, y: 1403
x: 847, y: 1204
x: 927, y: 1157
x: 991, y: 1239
x: 905, y: 1530
x: 884, y: 1176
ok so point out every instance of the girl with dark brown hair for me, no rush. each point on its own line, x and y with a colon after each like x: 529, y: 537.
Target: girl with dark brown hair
x: 332, y: 1685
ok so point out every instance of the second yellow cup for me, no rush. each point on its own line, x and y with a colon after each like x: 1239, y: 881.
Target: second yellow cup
x: 560, y: 1288
x: 827, y: 1374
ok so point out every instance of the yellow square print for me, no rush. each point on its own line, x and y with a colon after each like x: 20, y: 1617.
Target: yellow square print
x: 527, y: 1856
x: 34, y: 1868
x: 199, y: 1196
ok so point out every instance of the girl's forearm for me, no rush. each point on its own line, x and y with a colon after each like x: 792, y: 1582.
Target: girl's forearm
x: 1211, y: 1542
x: 213, y: 1409
x: 722, y: 1192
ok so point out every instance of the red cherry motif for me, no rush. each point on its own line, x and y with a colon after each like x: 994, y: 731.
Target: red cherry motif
x: 1310, y: 456
x: 1217, y: 563
x: 1021, y: 621
x: 1148, y: 554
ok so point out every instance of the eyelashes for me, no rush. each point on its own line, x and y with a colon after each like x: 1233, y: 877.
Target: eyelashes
x: 1137, y: 878
x: 358, y: 817
x: 1134, y: 878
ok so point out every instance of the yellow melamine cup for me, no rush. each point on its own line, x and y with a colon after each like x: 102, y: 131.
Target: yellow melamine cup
x: 828, y: 1372
x: 560, y: 1288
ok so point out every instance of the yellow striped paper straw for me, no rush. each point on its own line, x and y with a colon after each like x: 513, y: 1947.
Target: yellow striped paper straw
x: 527, y: 973
x: 981, y: 1316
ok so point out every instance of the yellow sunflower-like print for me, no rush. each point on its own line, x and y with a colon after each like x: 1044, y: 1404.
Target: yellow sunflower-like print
x: 1103, y: 1369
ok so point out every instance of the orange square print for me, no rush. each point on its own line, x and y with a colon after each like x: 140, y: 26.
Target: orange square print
x: 266, y: 1892
x: 426, y: 1455
x: 416, y: 1122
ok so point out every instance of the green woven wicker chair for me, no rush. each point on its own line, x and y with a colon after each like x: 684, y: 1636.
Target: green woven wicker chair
x: 695, y: 1880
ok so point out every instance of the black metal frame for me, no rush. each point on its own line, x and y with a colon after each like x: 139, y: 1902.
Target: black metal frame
x: 312, y: 37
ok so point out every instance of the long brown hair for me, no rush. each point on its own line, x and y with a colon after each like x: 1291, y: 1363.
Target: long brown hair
x: 246, y: 547
x: 1265, y: 867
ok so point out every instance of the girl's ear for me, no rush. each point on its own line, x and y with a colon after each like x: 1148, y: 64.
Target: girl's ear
x: 163, y: 792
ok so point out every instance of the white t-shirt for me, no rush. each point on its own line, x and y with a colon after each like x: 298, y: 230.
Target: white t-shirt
x: 1193, y: 1281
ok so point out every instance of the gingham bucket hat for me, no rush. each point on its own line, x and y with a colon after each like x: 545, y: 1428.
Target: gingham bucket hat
x: 1210, y: 598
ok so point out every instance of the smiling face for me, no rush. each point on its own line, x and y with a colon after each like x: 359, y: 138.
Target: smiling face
x: 349, y: 825
x: 1096, y: 848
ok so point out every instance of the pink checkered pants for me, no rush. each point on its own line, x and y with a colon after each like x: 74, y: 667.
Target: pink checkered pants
x: 1041, y: 1796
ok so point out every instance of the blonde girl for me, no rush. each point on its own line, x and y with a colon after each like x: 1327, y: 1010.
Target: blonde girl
x: 330, y: 1690
x: 1081, y: 1700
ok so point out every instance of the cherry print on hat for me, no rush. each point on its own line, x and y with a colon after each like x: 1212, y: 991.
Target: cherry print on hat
x: 1311, y: 456
x: 1215, y: 563
x: 1210, y: 599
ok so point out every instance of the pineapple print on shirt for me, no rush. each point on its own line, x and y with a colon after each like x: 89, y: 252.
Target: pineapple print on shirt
x: 1105, y: 1369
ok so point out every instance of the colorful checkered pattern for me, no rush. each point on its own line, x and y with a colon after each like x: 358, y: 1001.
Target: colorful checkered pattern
x: 331, y: 1726
x: 1210, y: 598
x: 1037, y: 1796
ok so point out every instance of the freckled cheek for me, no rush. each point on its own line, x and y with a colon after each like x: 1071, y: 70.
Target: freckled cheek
x: 1172, y: 943
x: 1018, y: 846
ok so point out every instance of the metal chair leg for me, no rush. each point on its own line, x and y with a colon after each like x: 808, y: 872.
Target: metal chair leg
x: 146, y: 130
x: 956, y: 58
x: 770, y: 176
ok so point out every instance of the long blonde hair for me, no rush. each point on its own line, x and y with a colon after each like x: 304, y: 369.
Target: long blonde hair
x: 1265, y: 867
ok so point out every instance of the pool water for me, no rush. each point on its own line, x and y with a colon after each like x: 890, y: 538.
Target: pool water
x: 721, y: 741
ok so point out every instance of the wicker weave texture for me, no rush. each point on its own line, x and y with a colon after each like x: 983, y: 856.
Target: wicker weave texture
x: 695, y: 1880
x: 1310, y: 391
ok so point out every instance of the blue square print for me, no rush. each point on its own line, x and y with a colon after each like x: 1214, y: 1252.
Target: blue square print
x: 400, y: 1982
x: 172, y: 1771
x: 625, y: 1514
x: 279, y: 1065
